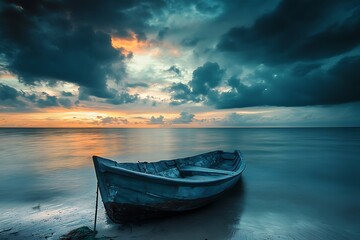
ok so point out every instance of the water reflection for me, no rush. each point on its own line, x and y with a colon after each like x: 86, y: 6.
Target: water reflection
x: 297, y: 180
x: 219, y: 220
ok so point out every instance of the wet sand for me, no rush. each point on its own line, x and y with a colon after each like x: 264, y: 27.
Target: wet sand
x: 218, y: 220
x: 223, y: 219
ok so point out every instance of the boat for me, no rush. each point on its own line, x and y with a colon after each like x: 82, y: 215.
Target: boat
x: 133, y: 192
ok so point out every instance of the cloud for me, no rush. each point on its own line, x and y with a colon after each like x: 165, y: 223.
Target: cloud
x: 7, y: 93
x: 207, y: 7
x: 346, y: 115
x: 296, y: 30
x: 138, y: 84
x: 162, y: 33
x: 181, y: 93
x: 10, y: 97
x: 78, y: 55
x: 45, y: 100
x: 185, y: 118
x: 123, y: 98
x: 175, y: 70
x: 66, y: 94
x: 190, y: 42
x: 111, y: 120
x: 235, y: 119
x: 65, y: 102
x: 301, y: 86
x: 302, y: 69
x: 14, y: 100
x: 70, y: 41
x: 117, y: 17
x: 157, y: 120
x: 336, y: 39
x: 240, y: 53
x: 204, y: 79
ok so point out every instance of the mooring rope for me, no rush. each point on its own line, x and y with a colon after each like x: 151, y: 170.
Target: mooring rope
x: 96, y: 206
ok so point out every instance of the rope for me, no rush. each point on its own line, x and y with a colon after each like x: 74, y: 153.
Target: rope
x: 96, y: 206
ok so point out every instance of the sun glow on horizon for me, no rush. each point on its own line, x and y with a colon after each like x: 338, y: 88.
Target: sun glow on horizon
x: 91, y: 118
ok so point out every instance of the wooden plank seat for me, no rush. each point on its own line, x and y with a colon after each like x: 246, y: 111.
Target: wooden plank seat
x: 190, y: 170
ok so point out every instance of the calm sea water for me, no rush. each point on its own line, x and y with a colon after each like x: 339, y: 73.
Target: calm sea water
x: 300, y: 183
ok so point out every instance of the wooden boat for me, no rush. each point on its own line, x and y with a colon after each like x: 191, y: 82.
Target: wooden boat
x: 137, y: 191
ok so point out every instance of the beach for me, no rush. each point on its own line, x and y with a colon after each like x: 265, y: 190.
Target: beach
x: 300, y: 183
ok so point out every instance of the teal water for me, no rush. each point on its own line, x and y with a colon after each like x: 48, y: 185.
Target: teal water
x: 300, y: 183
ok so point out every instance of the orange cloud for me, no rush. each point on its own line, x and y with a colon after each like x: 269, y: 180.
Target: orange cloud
x: 131, y: 44
x: 152, y: 48
x: 7, y: 75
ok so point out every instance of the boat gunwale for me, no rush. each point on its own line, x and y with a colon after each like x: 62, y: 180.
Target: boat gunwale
x: 162, y: 179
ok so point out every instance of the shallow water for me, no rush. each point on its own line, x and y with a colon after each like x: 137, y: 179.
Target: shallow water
x: 300, y: 183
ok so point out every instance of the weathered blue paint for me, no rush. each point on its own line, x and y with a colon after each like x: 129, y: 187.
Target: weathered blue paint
x: 137, y: 191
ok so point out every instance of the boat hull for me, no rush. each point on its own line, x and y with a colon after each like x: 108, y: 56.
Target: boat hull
x: 133, y: 197
x: 132, y: 205
x: 125, y: 212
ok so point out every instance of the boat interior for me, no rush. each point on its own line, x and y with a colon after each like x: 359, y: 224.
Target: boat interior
x: 217, y: 163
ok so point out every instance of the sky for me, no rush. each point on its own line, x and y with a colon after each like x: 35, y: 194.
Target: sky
x: 178, y: 63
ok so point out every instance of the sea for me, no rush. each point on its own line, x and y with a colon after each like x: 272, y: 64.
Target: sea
x: 299, y: 183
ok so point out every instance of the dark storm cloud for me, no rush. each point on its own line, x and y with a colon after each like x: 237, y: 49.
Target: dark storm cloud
x: 204, y: 79
x: 245, y: 12
x: 138, y: 84
x: 7, y: 93
x: 123, y: 98
x: 207, y: 7
x: 309, y: 51
x: 300, y: 85
x: 47, y: 101
x: 42, y: 46
x: 297, y: 53
x: 296, y: 30
x: 181, y: 93
x: 44, y: 100
x: 70, y: 40
x: 117, y: 17
x: 302, y: 69
x: 9, y: 96
x: 335, y: 39
x: 338, y: 84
